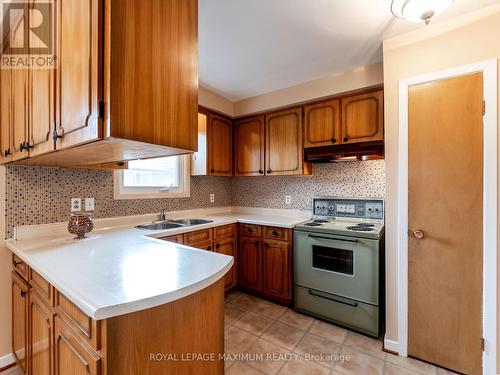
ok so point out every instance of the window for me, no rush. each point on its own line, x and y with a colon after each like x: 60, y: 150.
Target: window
x: 166, y: 177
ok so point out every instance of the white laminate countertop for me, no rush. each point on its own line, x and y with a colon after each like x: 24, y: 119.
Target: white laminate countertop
x: 121, y: 269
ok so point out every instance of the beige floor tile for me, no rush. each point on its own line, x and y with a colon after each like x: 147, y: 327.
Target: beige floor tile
x: 232, y: 313
x: 296, y: 320
x: 283, y: 335
x: 246, y: 301
x: 253, y: 323
x: 412, y: 364
x: 443, y: 371
x: 391, y: 369
x: 365, y: 344
x: 318, y: 349
x: 268, y: 309
x: 238, y: 340
x: 242, y: 369
x: 303, y: 368
x: 232, y: 295
x: 357, y: 363
x: 328, y: 331
x: 273, y: 356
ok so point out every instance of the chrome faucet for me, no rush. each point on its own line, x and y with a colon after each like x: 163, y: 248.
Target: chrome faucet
x: 163, y: 215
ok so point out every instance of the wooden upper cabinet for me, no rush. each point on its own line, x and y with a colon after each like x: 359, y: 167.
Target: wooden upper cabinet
x: 19, y: 118
x: 5, y: 116
x: 219, y: 146
x: 363, y: 118
x: 322, y: 124
x: 284, y: 144
x: 199, y: 158
x: 249, y: 146
x: 77, y: 49
x: 20, y: 321
x: 41, y: 330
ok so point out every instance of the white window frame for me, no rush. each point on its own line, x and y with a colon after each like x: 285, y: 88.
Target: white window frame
x: 183, y: 191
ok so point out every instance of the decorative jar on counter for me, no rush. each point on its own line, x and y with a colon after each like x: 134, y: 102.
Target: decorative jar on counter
x: 80, y: 223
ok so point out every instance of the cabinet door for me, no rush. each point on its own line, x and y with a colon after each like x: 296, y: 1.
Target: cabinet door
x: 40, y: 337
x: 249, y: 146
x: 5, y: 116
x: 322, y: 124
x: 276, y: 269
x: 71, y: 357
x: 363, y: 118
x: 20, y: 321
x: 284, y: 147
x: 220, y: 151
x: 199, y: 158
x: 249, y: 263
x: 19, y: 114
x: 228, y: 247
x: 78, y: 77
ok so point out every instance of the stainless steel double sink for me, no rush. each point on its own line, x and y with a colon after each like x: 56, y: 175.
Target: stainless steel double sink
x: 172, y: 224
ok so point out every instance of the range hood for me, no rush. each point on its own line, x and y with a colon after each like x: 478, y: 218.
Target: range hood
x: 353, y: 151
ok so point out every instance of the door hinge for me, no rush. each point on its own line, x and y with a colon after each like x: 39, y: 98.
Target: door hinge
x: 101, y: 109
x: 484, y: 107
x: 482, y: 344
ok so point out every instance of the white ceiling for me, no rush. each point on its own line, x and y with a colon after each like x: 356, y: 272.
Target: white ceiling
x: 250, y: 47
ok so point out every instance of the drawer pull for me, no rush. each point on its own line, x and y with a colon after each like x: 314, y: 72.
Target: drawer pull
x: 331, y: 238
x: 275, y: 233
x: 217, y: 246
x: 209, y: 248
x: 352, y: 304
x: 23, y: 293
x: 18, y: 263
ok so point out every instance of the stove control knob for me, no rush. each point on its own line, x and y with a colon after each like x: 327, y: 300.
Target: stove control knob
x: 331, y: 207
x: 370, y: 209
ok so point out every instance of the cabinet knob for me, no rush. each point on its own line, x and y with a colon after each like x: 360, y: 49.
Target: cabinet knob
x: 269, y: 171
x: 334, y: 140
x: 209, y: 248
x: 18, y: 263
x: 212, y: 170
x: 256, y: 243
x: 346, y: 139
x: 7, y: 152
x: 261, y: 171
x: 56, y: 136
x: 23, y: 293
x: 275, y: 233
x: 23, y: 146
x: 217, y: 246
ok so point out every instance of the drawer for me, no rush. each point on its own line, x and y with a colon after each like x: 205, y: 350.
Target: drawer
x: 251, y: 230
x: 42, y: 286
x: 204, y: 246
x: 339, y: 310
x: 20, y: 266
x: 84, y: 326
x: 276, y: 232
x: 224, y: 231
x: 177, y: 239
x: 198, y: 236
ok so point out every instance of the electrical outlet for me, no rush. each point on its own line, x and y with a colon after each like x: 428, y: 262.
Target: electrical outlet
x: 288, y: 199
x: 89, y: 204
x: 76, y: 204
x: 212, y: 198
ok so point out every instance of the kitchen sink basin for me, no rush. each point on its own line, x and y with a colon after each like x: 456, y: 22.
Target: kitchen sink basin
x: 160, y: 226
x: 189, y: 222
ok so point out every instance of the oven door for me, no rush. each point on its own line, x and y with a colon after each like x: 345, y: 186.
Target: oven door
x: 343, y: 266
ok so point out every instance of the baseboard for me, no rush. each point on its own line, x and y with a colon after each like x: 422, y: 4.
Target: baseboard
x: 7, y: 361
x: 391, y: 346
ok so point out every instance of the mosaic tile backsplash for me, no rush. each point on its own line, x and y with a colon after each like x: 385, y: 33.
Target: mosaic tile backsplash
x: 37, y: 195
x: 340, y: 179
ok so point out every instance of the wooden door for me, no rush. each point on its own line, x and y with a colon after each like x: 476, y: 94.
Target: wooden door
x: 249, y: 146
x: 41, y: 104
x: 78, y: 90
x: 445, y: 179
x: 219, y: 147
x: 72, y: 357
x: 20, y: 321
x: 5, y: 116
x: 284, y: 146
x: 322, y: 124
x: 276, y: 269
x: 363, y: 118
x: 228, y: 247
x: 41, y: 334
x: 249, y: 263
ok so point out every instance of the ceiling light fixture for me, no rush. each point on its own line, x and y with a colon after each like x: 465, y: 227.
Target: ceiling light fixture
x: 419, y: 10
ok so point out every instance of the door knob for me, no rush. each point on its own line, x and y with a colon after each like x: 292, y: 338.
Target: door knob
x: 418, y: 234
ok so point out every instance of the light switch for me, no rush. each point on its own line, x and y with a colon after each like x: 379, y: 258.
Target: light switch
x: 89, y: 204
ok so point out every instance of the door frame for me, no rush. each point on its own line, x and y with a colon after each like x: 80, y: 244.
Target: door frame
x: 490, y: 160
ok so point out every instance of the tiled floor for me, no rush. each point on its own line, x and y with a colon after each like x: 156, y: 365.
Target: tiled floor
x: 265, y: 338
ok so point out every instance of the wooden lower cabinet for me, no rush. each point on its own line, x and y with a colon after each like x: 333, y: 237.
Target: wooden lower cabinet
x: 250, y: 263
x: 228, y: 247
x: 20, y: 299
x: 40, y: 341
x: 276, y: 269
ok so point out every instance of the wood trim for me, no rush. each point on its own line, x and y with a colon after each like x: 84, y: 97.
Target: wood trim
x: 224, y: 231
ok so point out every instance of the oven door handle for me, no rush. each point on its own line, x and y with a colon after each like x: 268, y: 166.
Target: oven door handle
x: 332, y: 238
x: 352, y: 304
